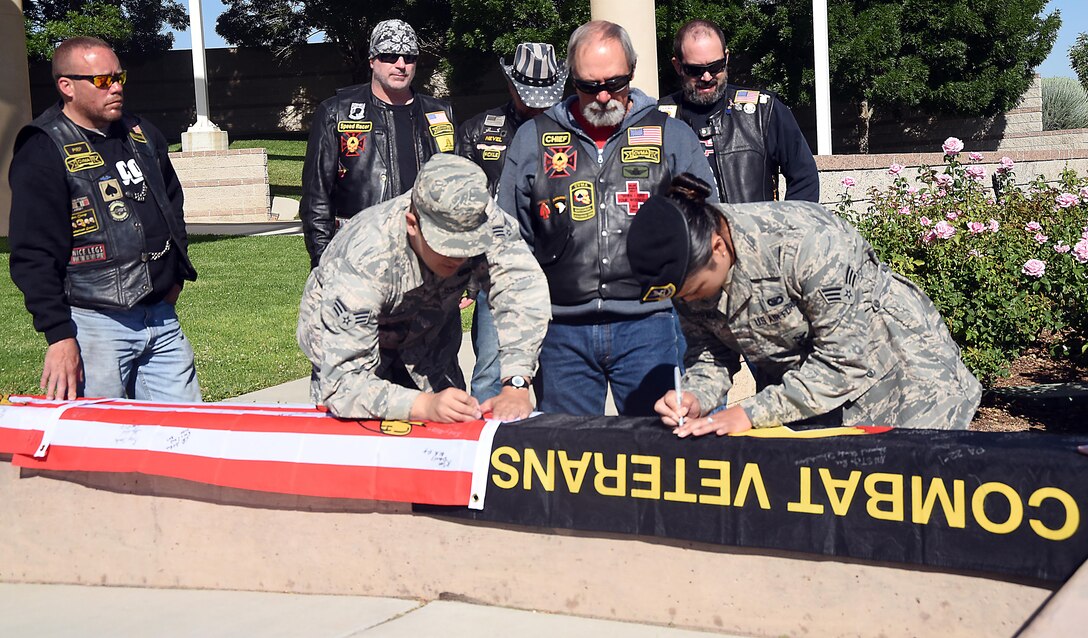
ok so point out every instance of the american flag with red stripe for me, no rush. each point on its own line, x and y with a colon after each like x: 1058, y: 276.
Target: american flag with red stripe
x: 289, y: 449
x: 644, y: 135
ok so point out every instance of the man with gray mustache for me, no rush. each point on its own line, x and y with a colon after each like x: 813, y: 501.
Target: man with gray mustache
x: 575, y: 177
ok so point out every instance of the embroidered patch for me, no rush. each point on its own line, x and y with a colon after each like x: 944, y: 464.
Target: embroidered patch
x: 84, y: 221
x: 659, y: 293
x: 494, y: 138
x: 555, y: 139
x: 650, y: 154
x: 494, y: 120
x: 80, y: 203
x: 543, y: 210
x: 500, y: 231
x: 633, y: 198
x: 438, y: 117
x: 347, y: 319
x: 491, y: 153
x: 354, y: 127
x: 137, y: 136
x: 88, y: 254
x: 560, y: 161
x: 745, y: 96
x: 644, y: 136
x: 843, y: 293
x: 118, y: 211
x: 78, y: 148
x: 351, y: 144
x: 357, y: 111
x: 636, y: 171
x: 559, y: 204
x: 667, y: 109
x: 583, y: 201
x: 85, y: 161
x: 110, y: 189
x: 441, y: 129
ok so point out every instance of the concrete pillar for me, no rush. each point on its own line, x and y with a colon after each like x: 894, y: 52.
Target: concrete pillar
x: 14, y: 94
x: 203, y: 135
x: 637, y: 16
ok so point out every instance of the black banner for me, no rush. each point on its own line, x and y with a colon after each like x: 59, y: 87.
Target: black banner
x: 1007, y: 503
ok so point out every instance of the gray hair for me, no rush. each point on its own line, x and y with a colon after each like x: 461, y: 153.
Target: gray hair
x: 603, y: 30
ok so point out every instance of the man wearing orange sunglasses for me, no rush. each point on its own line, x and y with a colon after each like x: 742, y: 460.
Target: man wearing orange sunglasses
x: 98, y: 241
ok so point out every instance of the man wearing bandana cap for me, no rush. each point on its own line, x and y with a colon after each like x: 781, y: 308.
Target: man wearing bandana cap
x: 368, y: 141
x: 378, y: 317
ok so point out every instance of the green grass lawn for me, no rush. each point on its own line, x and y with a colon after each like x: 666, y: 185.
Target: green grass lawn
x: 240, y: 316
x: 285, y: 158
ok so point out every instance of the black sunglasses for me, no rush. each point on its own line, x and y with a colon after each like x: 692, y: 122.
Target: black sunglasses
x: 611, y: 85
x: 103, y: 81
x: 391, y: 58
x: 697, y: 70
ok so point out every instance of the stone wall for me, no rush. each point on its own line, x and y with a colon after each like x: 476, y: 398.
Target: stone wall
x: 224, y: 186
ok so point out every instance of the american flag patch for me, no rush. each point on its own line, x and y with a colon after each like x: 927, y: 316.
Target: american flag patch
x: 644, y: 135
x: 437, y: 117
x: 746, y: 97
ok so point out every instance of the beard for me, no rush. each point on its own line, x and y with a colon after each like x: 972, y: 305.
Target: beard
x: 610, y: 114
x: 693, y: 96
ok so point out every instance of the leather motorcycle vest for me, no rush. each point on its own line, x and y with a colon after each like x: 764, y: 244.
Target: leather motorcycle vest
x: 368, y: 151
x: 488, y: 136
x: 581, y: 210
x: 738, y: 134
x: 108, y: 265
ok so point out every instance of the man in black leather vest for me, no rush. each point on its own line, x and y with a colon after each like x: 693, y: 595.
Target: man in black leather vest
x: 368, y: 141
x: 98, y: 241
x: 535, y: 80
x: 749, y: 136
x: 575, y: 177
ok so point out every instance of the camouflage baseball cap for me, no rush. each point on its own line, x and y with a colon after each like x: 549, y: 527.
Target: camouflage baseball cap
x: 452, y: 203
x: 393, y: 36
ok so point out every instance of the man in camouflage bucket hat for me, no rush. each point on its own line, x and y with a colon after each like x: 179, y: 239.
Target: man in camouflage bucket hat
x: 379, y: 315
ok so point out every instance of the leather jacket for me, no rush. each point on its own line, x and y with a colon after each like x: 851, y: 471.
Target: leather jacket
x: 108, y: 267
x: 351, y: 158
x: 485, y: 137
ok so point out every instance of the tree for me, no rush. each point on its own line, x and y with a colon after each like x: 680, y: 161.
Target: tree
x: 132, y: 27
x: 959, y: 57
x: 1078, y: 58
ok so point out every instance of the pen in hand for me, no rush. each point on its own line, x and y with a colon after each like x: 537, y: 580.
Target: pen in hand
x: 679, y: 393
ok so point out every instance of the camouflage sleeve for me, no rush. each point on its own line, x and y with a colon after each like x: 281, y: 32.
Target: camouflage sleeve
x: 823, y: 275
x: 518, y: 293
x: 709, y: 365
x: 348, y: 384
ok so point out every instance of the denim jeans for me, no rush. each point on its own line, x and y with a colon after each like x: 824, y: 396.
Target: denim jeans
x: 486, y: 381
x: 636, y: 355
x: 139, y: 353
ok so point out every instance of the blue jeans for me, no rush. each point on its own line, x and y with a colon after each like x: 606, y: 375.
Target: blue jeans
x: 136, y: 354
x: 634, y: 354
x: 486, y: 381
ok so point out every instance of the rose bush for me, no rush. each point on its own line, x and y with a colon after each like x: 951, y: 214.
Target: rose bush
x: 1007, y: 267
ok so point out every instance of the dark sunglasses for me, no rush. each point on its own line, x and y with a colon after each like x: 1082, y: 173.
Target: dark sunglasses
x: 611, y: 85
x: 104, y: 81
x: 391, y: 58
x: 697, y: 70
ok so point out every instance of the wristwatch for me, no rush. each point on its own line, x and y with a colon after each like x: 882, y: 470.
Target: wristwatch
x: 517, y: 381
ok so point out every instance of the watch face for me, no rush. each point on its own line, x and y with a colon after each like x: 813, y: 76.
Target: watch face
x: 517, y: 382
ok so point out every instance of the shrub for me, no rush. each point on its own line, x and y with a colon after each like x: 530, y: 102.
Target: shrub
x: 1006, y: 271
x: 1065, y: 104
x: 1078, y: 59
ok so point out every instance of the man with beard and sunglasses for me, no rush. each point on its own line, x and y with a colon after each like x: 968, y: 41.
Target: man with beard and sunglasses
x: 575, y: 176
x: 749, y: 136
x: 98, y: 241
x: 369, y: 140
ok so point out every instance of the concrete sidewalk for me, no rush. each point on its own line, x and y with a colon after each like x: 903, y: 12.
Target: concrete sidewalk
x: 62, y: 611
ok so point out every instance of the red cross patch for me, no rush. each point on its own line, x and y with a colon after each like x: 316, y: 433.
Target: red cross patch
x: 633, y: 198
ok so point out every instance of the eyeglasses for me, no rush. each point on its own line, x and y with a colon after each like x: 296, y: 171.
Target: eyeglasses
x: 391, y: 58
x: 103, y: 81
x: 697, y: 70
x: 611, y: 85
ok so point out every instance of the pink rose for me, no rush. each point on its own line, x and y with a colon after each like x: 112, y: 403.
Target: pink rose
x: 895, y: 169
x: 944, y: 180
x: 942, y: 193
x: 1084, y: 193
x: 975, y: 157
x: 925, y: 221
x: 1041, y: 238
x: 952, y: 215
x: 848, y: 182
x: 911, y: 190
x: 976, y: 173
x: 925, y: 198
x: 952, y: 146
x: 1033, y: 227
x: 1061, y: 247
x: 976, y: 227
x: 1080, y: 251
x: 904, y: 210
x: 1006, y: 164
x: 944, y: 230
x: 1066, y: 200
x: 994, y: 226
x: 1034, y: 268
x: 929, y: 237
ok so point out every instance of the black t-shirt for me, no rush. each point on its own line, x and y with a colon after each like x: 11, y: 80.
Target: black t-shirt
x: 698, y: 117
x: 41, y: 227
x: 404, y: 127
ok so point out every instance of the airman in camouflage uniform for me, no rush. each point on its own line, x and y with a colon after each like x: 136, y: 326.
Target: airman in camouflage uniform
x: 825, y: 324
x: 379, y: 316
